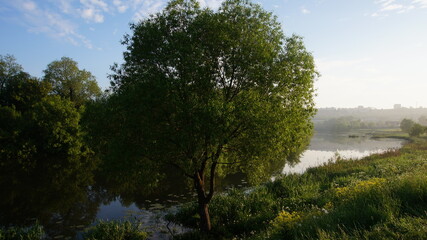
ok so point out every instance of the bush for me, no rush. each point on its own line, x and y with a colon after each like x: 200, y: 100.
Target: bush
x: 22, y: 233
x: 412, y: 192
x: 115, y: 230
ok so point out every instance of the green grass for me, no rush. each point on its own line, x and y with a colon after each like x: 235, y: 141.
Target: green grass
x: 102, y: 230
x: 115, y: 230
x: 383, y: 196
x: 34, y: 232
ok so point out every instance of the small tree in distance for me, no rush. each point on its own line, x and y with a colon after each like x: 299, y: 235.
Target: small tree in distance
x: 406, y: 125
x: 416, y: 130
x: 209, y: 93
x: 69, y: 82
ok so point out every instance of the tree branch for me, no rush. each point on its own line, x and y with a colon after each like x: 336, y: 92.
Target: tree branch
x: 182, y: 170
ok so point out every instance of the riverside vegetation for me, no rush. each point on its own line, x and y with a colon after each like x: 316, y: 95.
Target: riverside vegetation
x: 382, y: 196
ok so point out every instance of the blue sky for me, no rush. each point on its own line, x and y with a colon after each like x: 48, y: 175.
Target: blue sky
x: 369, y: 52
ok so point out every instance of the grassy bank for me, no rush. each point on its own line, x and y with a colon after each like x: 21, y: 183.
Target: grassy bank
x: 383, y: 196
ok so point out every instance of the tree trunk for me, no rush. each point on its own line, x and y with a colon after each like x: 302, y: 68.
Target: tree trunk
x: 203, y: 200
x: 205, y: 220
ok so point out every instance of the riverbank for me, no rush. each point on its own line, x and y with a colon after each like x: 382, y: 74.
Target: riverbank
x: 382, y: 196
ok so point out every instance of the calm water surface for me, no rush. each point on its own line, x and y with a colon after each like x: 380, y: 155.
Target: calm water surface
x: 326, y: 147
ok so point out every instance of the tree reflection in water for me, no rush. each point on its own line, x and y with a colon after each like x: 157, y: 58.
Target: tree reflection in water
x: 67, y: 200
x: 61, y: 200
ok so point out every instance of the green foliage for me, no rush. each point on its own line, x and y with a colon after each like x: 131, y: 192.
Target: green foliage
x: 71, y: 83
x: 412, y: 191
x: 114, y: 230
x: 34, y: 232
x: 422, y: 120
x: 8, y: 69
x: 416, y: 130
x: 233, y: 213
x: 406, y: 125
x: 44, y: 134
x: 41, y: 144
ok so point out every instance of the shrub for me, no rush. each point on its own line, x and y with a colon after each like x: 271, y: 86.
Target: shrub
x: 22, y: 233
x: 412, y: 192
x: 286, y: 220
x: 115, y: 230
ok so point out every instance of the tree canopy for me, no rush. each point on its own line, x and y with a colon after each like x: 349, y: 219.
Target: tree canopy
x: 8, y: 69
x: 69, y: 82
x: 406, y: 125
x: 209, y: 93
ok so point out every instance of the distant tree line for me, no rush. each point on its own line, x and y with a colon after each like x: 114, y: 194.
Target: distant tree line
x: 348, y: 123
x: 372, y: 115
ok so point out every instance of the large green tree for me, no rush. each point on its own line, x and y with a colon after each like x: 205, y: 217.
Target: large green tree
x: 209, y: 93
x: 70, y: 82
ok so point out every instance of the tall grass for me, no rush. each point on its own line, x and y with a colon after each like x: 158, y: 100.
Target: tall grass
x: 34, y: 232
x: 115, y: 230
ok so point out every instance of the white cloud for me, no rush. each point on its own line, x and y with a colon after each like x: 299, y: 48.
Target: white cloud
x: 93, y: 15
x: 64, y: 5
x: 143, y: 8
x: 98, y: 4
x: 41, y: 20
x: 305, y: 10
x: 421, y: 3
x: 93, y: 10
x: 392, y: 7
x: 29, y: 6
x: 214, y: 4
x: 147, y: 7
x: 121, y: 7
x: 397, y: 6
x: 88, y: 13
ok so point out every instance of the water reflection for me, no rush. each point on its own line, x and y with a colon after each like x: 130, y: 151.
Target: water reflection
x: 62, y: 202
